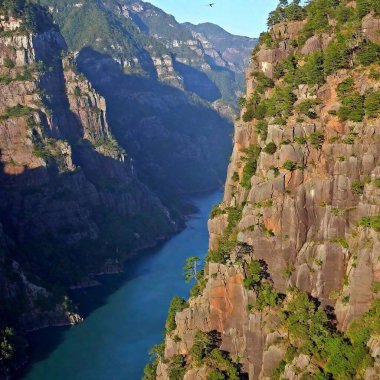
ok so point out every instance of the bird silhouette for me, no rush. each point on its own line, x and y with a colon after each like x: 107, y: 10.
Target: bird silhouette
x: 210, y: 5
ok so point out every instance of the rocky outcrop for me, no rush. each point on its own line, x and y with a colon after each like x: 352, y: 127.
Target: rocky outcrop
x: 299, y: 212
x: 371, y: 28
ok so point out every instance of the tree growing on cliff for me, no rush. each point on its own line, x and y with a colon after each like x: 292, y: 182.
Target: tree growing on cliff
x: 285, y: 11
x: 177, y: 305
x: 191, y: 268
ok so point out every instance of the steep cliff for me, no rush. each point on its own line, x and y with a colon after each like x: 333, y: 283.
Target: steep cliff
x: 70, y: 202
x: 291, y: 281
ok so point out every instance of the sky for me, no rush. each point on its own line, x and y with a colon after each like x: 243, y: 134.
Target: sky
x: 242, y: 17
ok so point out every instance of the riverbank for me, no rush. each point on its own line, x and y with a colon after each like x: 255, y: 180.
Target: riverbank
x: 125, y: 316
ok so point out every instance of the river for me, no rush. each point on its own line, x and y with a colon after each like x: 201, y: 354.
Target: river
x: 125, y: 317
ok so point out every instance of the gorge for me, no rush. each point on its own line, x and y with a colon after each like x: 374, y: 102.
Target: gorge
x: 101, y: 141
x: 108, y: 132
x: 114, y: 340
x: 290, y: 289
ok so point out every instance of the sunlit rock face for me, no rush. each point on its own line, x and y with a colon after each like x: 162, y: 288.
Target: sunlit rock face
x: 302, y: 192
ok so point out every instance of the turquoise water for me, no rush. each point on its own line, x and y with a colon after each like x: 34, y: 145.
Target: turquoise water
x: 126, y: 316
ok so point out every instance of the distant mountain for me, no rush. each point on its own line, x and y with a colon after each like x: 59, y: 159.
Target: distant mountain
x: 236, y: 50
x: 162, y: 83
x: 204, y: 59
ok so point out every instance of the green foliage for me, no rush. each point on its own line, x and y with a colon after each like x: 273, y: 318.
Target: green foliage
x: 266, y: 297
x: 191, y: 268
x: 285, y: 11
x: 150, y: 371
x: 288, y: 271
x: 216, y: 375
x: 256, y: 271
x: 376, y: 287
x: 77, y: 91
x: 363, y: 7
x: 337, y: 56
x: 370, y: 222
x: 251, y: 157
x: 266, y: 39
x: 346, y: 87
x: 35, y: 18
x: 316, y: 139
x: 344, y: 14
x: 177, y: 305
x: 289, y: 165
x: 233, y: 218
x: 7, y: 349
x: 222, y: 365
x: 228, y: 242
x: 156, y: 353
x: 108, y: 143
x: 311, y: 333
x: 12, y: 347
x: 249, y: 113
x: 204, y: 344
x: 256, y: 279
x: 222, y: 253
x: 368, y: 53
x: 199, y: 285
x: 341, y: 241
x: 300, y: 140
x: 6, y: 79
x: 262, y: 82
x: 357, y: 187
x: 312, y: 72
x: 177, y: 368
x: 8, y: 63
x: 270, y: 148
x: 262, y: 129
x: 307, y: 108
x: 215, y: 211
x: 352, y: 103
x: 288, y: 69
x: 17, y: 111
x: 374, y: 74
x: 281, y: 103
x: 372, y: 103
x: 235, y: 177
x: 318, y: 13
x: 242, y: 102
x: 350, y: 139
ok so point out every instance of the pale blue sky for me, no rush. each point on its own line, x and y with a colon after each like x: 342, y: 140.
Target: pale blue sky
x: 244, y: 17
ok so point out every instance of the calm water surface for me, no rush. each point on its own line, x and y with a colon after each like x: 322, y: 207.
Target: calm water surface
x: 126, y: 316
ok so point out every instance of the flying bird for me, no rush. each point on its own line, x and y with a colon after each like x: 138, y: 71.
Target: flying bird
x: 210, y: 5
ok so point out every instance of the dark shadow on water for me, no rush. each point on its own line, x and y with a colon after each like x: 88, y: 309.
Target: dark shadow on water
x: 43, y: 342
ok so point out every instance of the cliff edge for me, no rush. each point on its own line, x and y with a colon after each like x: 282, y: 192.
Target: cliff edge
x: 290, y: 286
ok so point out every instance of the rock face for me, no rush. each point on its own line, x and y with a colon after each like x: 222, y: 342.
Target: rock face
x: 300, y: 202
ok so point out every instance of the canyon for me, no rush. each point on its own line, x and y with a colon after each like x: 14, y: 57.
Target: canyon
x: 99, y: 149
x: 290, y: 285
